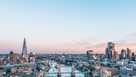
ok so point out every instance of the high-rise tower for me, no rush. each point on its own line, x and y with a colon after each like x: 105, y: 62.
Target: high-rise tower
x: 128, y: 53
x: 123, y: 54
x: 110, y: 51
x: 24, y: 49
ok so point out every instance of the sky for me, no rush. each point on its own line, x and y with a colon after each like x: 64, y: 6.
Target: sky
x: 67, y: 26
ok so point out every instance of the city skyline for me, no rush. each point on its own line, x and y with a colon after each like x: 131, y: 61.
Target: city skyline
x: 67, y: 25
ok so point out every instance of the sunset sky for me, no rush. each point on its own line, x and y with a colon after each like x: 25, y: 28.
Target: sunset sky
x: 67, y: 25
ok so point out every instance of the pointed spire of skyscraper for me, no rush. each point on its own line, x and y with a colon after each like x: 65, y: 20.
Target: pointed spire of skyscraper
x: 24, y: 49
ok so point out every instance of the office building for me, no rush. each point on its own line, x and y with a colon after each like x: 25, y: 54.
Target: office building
x: 110, y: 51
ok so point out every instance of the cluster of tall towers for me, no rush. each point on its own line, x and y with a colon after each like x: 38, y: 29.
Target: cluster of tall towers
x: 112, y: 54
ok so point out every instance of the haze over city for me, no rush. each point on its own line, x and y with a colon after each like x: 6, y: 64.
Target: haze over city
x: 67, y: 25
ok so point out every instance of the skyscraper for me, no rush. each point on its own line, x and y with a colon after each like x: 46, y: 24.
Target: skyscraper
x: 133, y: 56
x: 128, y: 53
x: 123, y: 54
x: 110, y: 51
x: 24, y: 49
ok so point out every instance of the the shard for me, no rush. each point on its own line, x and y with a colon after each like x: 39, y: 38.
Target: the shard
x: 24, y: 49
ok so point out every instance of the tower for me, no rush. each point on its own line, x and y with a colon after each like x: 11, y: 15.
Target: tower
x: 110, y: 51
x: 128, y: 53
x: 123, y: 54
x: 133, y: 56
x: 24, y: 49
